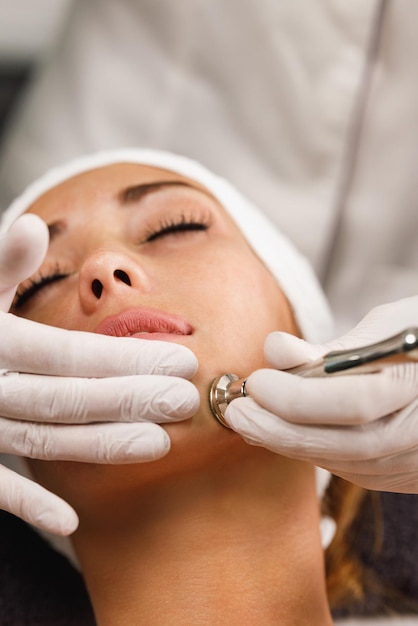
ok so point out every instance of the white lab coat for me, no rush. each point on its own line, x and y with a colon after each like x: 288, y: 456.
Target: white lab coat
x: 309, y: 107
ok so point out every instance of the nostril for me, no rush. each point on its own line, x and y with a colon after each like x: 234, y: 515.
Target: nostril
x: 123, y: 276
x: 97, y: 288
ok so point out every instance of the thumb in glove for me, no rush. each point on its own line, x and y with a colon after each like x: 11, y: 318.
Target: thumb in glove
x: 22, y: 250
x: 284, y: 351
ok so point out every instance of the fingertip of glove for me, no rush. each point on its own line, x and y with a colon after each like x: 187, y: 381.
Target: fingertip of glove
x: 262, y: 381
x: 145, y: 450
x: 68, y: 527
x: 29, y: 221
x: 159, y: 446
x: 179, y: 361
x: 188, y: 402
x: 61, y: 520
x: 284, y: 350
x: 279, y: 339
x: 177, y: 400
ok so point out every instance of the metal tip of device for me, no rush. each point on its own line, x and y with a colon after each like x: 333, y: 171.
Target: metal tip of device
x: 222, y: 391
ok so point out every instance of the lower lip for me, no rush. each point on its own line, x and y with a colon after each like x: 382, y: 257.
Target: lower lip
x: 157, y: 336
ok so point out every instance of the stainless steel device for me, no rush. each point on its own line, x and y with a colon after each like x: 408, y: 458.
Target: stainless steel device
x: 400, y: 348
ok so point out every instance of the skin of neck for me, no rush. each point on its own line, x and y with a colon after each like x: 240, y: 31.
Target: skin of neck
x: 230, y: 543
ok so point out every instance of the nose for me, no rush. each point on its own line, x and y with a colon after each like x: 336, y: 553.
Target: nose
x: 97, y: 284
x: 107, y: 274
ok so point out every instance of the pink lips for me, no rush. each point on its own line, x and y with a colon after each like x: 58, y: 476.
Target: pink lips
x: 152, y: 322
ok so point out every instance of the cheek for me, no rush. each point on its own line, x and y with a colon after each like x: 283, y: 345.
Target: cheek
x: 253, y: 313
x: 248, y: 296
x: 62, y: 311
x: 242, y: 304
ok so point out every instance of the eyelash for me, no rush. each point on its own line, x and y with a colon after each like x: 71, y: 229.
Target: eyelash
x: 179, y: 225
x: 167, y: 226
x: 34, y: 284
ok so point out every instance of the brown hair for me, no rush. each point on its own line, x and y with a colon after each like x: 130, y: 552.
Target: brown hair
x: 345, y: 583
x: 354, y: 587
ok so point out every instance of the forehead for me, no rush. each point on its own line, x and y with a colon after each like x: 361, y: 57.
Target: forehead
x: 108, y: 183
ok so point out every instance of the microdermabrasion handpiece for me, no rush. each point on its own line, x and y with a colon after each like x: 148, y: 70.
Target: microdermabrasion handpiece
x: 398, y: 349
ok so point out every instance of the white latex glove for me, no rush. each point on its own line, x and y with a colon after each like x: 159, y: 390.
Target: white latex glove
x: 77, y: 396
x: 363, y: 428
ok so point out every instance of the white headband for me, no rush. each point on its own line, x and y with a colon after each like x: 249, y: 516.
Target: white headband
x: 291, y: 270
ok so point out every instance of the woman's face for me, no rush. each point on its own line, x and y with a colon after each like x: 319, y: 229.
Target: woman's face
x: 138, y: 251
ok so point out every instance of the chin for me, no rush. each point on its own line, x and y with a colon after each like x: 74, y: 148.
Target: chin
x: 198, y: 429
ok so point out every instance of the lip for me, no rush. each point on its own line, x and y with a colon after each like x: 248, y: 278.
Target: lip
x: 144, y: 323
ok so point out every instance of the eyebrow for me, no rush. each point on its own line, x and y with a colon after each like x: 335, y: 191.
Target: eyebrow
x: 130, y: 195
x: 138, y: 192
x: 55, y: 228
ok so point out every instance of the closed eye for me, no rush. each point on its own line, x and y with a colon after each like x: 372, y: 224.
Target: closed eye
x: 33, y: 286
x: 177, y: 226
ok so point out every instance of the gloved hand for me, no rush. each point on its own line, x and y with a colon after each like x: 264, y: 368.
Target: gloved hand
x: 77, y: 396
x: 363, y: 428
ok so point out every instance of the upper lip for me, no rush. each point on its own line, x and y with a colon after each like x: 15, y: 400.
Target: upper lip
x: 143, y: 320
